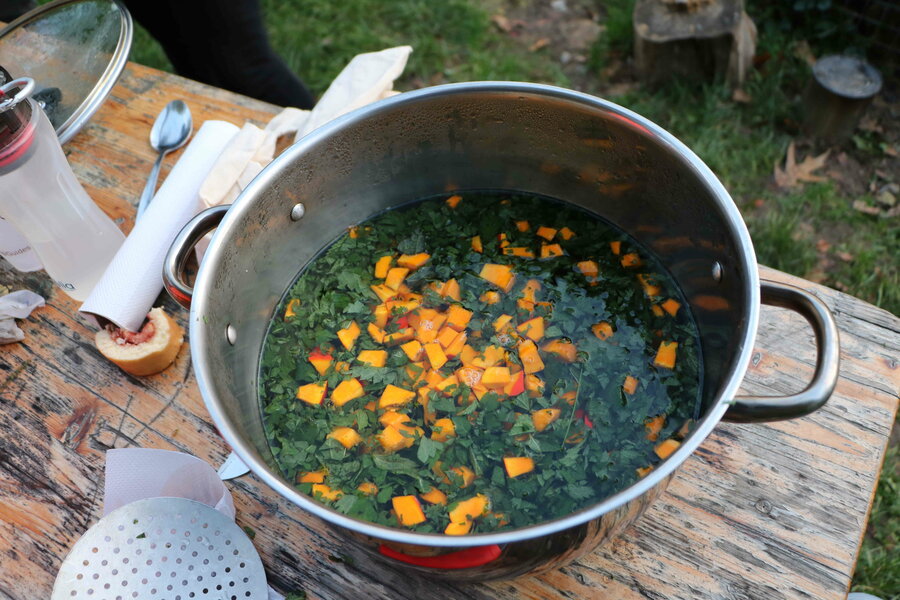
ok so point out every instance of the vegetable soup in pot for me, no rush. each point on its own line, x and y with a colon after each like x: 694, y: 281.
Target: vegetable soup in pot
x: 478, y: 362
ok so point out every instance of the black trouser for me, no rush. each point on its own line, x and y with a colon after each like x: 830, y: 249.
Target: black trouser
x: 219, y: 42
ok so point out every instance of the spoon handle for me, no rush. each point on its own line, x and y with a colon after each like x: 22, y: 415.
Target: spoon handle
x: 150, y: 188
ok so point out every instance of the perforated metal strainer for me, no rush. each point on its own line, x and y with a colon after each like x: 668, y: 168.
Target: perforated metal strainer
x: 162, y: 549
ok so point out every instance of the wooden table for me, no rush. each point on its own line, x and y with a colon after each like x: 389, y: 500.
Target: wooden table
x: 759, y: 512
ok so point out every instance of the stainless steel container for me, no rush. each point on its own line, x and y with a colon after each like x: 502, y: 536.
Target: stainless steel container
x: 474, y: 136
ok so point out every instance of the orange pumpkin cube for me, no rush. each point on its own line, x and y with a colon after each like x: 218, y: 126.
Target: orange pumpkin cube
x: 496, y: 377
x: 665, y: 449
x: 408, y: 510
x: 435, y: 496
x: 376, y: 333
x: 468, y: 476
x: 665, y: 355
x: 544, y: 417
x: 566, y: 234
x: 476, y: 244
x: 347, y: 390
x: 630, y: 385
x: 530, y: 358
x: 490, y: 297
x: 381, y: 313
x: 458, y: 317
x: 413, y: 261
x: 532, y: 328
x: 395, y: 277
x: 454, y: 200
x: 446, y: 336
x: 312, y: 477
x: 490, y: 356
x: 291, y: 308
x: 322, y: 491
x: 501, y: 322
x: 551, y: 250
x: 443, y: 430
x: 394, y: 396
x: 616, y: 247
x: 373, y: 358
x: 516, y: 383
x: 413, y: 349
x: 534, y: 385
x: 320, y: 361
x: 654, y: 426
x: 383, y: 292
x: 469, y: 376
x: 671, y: 306
x: 457, y: 345
x: 451, y: 290
x: 650, y: 288
x: 382, y: 265
x: 602, y: 330
x: 519, y: 251
x: 368, y: 488
x: 588, y: 268
x: 469, y: 509
x: 312, y: 393
x: 398, y: 337
x: 518, y: 465
x: 458, y: 528
x: 346, y: 436
x: 548, y: 233
x: 500, y: 275
x: 435, y: 354
x: 631, y: 259
x: 566, y: 351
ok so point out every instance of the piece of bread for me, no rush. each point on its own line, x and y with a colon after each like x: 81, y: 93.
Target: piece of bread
x: 146, y: 352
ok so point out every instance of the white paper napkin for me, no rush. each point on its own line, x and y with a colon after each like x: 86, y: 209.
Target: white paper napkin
x: 17, y: 305
x: 130, y: 285
x: 134, y: 474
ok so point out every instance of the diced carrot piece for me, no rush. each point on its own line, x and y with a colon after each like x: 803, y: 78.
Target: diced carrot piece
x: 501, y: 322
x: 412, y: 349
x: 399, y: 337
x: 395, y: 277
x: 551, y: 250
x: 616, y: 247
x: 490, y: 297
x: 654, y: 426
x: 451, y: 290
x: 383, y: 292
x: 496, y: 377
x: 394, y: 396
x: 376, y: 333
x: 630, y: 385
x: 490, y: 356
x: 373, y: 358
x: 533, y: 328
x: 530, y: 358
x: 665, y: 355
x: 543, y: 417
x: 476, y: 244
x: 656, y: 310
x: 518, y: 465
x: 435, y: 496
x: 500, y: 275
x: 346, y: 436
x: 522, y: 225
x: 453, y: 200
x: 548, y: 233
x: 643, y: 471
x: 566, y: 351
x: 312, y: 393
x: 368, y: 488
x: 632, y: 259
x: 461, y: 528
x: 589, y: 268
x: 520, y: 251
x: 602, y: 330
x: 665, y: 448
x: 446, y: 336
x: 650, y: 288
x: 382, y: 265
x: 443, y: 430
x: 347, y: 390
x: 671, y: 306
x: 436, y: 356
x: 408, y: 510
x: 312, y: 477
x: 397, y: 437
x: 566, y: 234
x: 413, y: 261
x: 469, y: 509
x: 458, y: 317
x: 534, y: 385
x: 291, y: 309
x: 325, y: 492
x: 381, y: 313
x: 320, y: 361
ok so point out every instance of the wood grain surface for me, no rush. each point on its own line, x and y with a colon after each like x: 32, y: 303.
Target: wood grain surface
x: 759, y: 512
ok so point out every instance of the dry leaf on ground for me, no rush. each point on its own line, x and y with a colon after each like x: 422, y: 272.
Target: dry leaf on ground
x: 805, y: 53
x: 862, y: 207
x: 740, y: 95
x: 794, y: 173
x: 502, y: 23
x: 541, y: 43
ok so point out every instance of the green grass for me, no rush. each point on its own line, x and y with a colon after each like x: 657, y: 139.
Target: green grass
x: 455, y: 41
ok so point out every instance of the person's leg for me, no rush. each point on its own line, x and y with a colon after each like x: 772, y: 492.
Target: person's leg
x: 222, y: 43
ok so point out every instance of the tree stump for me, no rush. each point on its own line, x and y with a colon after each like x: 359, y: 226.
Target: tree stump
x: 693, y: 40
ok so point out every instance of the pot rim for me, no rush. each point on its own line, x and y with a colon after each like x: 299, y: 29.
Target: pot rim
x: 206, y: 276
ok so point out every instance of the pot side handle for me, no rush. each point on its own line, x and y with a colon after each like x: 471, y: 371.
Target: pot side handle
x: 747, y: 409
x: 180, y: 251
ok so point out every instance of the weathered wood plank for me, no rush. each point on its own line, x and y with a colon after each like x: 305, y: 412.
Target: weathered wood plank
x: 760, y: 511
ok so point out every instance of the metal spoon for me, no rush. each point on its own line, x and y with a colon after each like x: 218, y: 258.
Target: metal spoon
x: 171, y: 130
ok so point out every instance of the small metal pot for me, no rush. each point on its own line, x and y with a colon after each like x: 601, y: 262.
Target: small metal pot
x: 478, y: 136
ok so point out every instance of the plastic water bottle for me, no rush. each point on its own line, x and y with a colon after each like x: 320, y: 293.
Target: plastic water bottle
x: 42, y: 199
x: 15, y: 249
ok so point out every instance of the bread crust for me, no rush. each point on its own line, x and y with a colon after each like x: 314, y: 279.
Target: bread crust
x: 145, y: 358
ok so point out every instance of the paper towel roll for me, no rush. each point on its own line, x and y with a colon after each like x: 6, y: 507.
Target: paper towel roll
x: 133, y: 280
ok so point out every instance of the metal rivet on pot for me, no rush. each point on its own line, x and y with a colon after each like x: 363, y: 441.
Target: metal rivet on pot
x: 298, y: 211
x: 717, y: 271
x: 231, y: 334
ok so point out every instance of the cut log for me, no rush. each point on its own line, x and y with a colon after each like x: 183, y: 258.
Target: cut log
x: 693, y: 40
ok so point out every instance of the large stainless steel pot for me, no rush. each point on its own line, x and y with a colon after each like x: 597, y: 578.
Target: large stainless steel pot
x: 484, y: 136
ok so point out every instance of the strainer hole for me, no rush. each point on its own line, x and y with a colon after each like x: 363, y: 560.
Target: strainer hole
x: 95, y: 550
